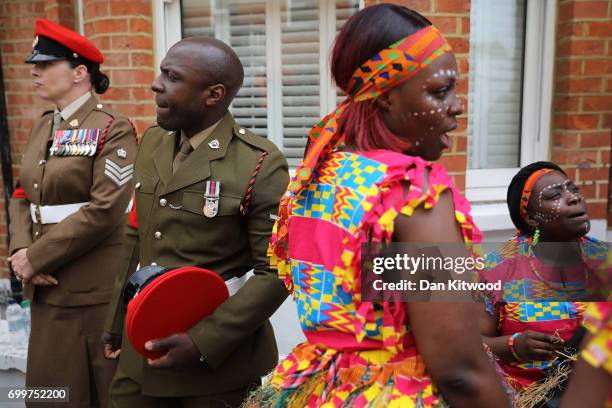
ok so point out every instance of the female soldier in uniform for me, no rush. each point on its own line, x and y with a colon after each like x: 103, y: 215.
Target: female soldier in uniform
x: 67, y: 215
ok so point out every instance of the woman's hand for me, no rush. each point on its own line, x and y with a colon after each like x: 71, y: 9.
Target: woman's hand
x: 532, y: 345
x: 24, y: 271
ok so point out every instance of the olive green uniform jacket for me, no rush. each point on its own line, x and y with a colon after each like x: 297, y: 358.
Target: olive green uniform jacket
x: 236, y: 342
x: 80, y: 250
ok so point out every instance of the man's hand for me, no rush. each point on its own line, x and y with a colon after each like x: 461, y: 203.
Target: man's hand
x: 532, y: 345
x: 42, y: 279
x: 24, y: 271
x: 111, y: 344
x: 182, y: 353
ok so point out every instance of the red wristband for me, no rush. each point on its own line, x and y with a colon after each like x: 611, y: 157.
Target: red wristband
x: 511, y: 341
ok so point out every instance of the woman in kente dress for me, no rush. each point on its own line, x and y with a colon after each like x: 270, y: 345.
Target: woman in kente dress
x: 368, y: 176
x: 548, y: 271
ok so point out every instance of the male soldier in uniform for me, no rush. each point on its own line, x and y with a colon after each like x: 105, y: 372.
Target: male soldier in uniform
x: 67, y: 216
x: 196, y: 147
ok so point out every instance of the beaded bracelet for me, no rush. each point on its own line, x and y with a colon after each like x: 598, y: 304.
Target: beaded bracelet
x: 511, y: 341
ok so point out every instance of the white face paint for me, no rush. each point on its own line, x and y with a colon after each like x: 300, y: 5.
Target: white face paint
x: 443, y: 73
x: 554, y: 213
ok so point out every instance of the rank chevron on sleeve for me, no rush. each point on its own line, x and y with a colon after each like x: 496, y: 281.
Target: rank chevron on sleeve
x: 118, y: 174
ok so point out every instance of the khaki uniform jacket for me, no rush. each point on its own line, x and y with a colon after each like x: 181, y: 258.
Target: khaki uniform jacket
x: 81, y: 250
x: 236, y: 341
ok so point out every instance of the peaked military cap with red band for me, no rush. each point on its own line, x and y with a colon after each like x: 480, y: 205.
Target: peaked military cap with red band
x: 162, y: 302
x: 54, y: 42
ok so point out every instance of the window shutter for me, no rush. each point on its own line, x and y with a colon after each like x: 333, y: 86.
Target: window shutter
x: 247, y: 36
x: 197, y: 18
x: 242, y: 25
x: 496, y: 62
x: 300, y: 74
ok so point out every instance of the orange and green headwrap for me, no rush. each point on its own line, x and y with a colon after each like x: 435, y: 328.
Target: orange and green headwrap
x: 385, y: 70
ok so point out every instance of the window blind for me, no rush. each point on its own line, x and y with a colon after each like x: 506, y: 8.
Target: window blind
x: 300, y: 73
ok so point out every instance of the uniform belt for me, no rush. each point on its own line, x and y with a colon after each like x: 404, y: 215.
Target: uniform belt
x: 233, y: 285
x: 53, y: 214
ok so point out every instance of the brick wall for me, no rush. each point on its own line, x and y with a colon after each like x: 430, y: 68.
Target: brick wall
x: 452, y: 17
x: 123, y: 30
x: 62, y: 12
x: 582, y: 99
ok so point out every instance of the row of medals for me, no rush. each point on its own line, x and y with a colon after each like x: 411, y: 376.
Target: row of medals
x: 74, y: 149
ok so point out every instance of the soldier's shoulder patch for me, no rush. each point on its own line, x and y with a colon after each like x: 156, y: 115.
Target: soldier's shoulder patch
x: 118, y: 174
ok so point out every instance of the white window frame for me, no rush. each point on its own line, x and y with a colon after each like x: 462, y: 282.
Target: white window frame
x: 491, y: 184
x: 486, y: 188
x: 166, y: 14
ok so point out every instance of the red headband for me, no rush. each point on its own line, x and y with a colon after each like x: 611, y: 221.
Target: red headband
x: 531, y: 181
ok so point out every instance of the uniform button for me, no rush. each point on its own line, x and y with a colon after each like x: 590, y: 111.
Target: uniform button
x: 138, y: 185
x: 36, y: 233
x: 241, y: 131
x: 158, y: 235
x: 35, y: 186
x: 99, y: 106
x: 41, y: 162
x: 163, y: 202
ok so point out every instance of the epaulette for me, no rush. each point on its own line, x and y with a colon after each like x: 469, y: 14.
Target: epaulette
x: 99, y: 108
x: 252, y: 139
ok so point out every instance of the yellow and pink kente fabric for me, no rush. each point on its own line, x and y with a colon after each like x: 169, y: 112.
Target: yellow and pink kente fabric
x: 357, y: 353
x: 598, y: 351
x: 598, y: 321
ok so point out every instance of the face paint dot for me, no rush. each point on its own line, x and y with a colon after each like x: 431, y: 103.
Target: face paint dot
x: 439, y: 109
x: 432, y: 111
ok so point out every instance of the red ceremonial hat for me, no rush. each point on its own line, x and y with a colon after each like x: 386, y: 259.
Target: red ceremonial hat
x: 55, y: 42
x: 170, y: 302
